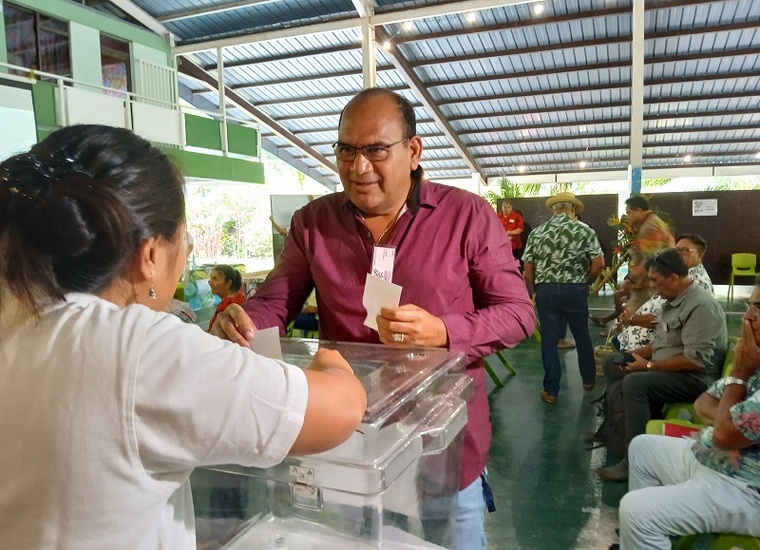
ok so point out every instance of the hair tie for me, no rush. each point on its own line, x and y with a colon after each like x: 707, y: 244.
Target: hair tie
x: 50, y: 167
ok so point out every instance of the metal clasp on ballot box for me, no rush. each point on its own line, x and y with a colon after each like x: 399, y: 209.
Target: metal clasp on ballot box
x: 302, y: 489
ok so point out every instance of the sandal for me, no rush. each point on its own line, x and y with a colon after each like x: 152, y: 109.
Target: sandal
x: 597, y: 321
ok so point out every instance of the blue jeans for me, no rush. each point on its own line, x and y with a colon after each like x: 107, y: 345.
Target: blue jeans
x: 469, y: 531
x: 555, y: 303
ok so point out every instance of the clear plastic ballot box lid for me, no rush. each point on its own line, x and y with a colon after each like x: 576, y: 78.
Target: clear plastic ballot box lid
x: 393, y: 484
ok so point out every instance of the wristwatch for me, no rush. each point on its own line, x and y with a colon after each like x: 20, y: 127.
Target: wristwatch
x: 728, y: 380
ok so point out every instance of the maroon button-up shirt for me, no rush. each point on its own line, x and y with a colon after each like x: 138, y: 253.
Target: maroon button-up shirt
x: 453, y: 259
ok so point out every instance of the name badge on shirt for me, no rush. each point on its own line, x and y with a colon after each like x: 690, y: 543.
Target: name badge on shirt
x: 382, y: 262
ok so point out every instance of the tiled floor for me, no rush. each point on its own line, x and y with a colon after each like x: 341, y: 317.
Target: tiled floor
x: 548, y: 496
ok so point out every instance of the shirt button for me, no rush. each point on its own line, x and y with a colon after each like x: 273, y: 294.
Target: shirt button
x: 369, y: 233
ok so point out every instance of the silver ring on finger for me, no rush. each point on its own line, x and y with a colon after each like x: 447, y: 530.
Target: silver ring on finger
x: 398, y: 337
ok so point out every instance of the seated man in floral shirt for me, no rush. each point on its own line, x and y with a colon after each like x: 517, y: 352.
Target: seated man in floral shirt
x: 711, y: 485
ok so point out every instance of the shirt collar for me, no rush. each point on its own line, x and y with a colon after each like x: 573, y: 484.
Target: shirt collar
x: 675, y: 302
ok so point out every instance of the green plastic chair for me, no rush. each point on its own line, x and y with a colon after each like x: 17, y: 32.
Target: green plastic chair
x: 685, y: 411
x: 507, y: 365
x: 720, y: 541
x: 743, y: 264
x: 657, y: 426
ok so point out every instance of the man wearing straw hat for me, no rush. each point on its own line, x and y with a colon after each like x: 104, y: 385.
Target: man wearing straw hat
x: 562, y: 257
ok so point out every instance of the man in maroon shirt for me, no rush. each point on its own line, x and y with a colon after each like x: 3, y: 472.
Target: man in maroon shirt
x: 462, y: 287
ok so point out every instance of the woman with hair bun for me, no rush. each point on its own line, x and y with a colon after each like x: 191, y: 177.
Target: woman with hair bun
x: 225, y: 282
x: 106, y: 402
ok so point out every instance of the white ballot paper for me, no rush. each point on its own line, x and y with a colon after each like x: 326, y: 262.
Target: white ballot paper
x: 266, y: 342
x: 378, y: 294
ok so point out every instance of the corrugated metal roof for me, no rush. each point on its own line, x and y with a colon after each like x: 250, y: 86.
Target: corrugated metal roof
x: 509, y: 87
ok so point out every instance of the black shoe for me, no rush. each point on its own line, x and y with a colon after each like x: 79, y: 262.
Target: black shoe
x: 616, y: 472
x: 592, y: 437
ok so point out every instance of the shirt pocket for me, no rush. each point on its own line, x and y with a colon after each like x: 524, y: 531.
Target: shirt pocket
x: 673, y: 335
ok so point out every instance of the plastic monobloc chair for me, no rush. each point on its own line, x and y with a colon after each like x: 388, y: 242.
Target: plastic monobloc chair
x: 743, y: 264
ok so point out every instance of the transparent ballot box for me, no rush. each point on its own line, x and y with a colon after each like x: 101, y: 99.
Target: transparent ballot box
x: 392, y: 485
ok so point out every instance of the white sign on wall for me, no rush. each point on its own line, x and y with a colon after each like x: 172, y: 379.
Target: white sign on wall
x: 704, y: 207
x: 284, y: 206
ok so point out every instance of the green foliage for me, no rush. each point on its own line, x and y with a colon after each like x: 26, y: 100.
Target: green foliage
x: 229, y: 221
x: 510, y: 190
x: 655, y: 182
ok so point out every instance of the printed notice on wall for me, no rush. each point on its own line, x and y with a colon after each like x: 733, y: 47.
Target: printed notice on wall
x: 704, y: 207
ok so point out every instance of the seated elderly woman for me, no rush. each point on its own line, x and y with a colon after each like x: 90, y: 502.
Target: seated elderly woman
x: 711, y: 484
x: 107, y: 403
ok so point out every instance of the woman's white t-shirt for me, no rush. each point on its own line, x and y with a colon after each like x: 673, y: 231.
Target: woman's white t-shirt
x: 105, y: 411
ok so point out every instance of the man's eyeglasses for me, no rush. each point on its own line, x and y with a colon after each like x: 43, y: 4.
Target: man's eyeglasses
x: 687, y: 250
x: 373, y: 153
x: 754, y: 309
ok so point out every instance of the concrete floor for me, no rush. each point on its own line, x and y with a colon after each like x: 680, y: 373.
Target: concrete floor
x: 547, y: 493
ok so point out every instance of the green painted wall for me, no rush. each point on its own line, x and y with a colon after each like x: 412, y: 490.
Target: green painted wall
x: 154, y: 55
x: 43, y: 94
x: 144, y: 53
x: 3, y: 49
x: 203, y: 132
x: 84, y: 44
x: 213, y: 167
x: 242, y: 140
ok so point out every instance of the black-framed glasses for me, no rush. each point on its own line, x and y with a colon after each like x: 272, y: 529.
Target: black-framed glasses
x: 687, y: 250
x: 374, y: 153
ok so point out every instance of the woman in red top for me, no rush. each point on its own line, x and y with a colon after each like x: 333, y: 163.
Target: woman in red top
x: 225, y: 282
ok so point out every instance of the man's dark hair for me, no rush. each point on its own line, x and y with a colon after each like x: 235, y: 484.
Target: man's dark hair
x: 637, y: 202
x: 668, y: 261
x: 696, y: 239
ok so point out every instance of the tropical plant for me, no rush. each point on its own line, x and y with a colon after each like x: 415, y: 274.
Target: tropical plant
x: 624, y: 235
x: 511, y: 190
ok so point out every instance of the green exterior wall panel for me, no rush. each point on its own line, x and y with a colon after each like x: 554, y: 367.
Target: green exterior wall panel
x: 43, y: 95
x: 203, y: 132
x: 3, y: 48
x: 242, y: 140
x: 198, y: 165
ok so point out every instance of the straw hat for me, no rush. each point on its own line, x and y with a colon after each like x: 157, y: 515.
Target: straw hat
x: 565, y: 196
